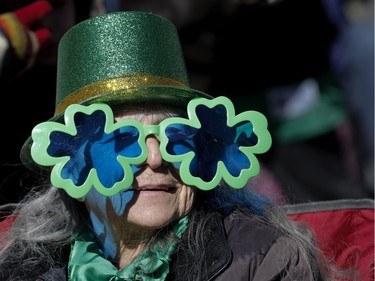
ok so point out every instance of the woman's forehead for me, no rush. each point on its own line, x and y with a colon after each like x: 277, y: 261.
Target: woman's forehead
x: 147, y: 118
x: 146, y: 113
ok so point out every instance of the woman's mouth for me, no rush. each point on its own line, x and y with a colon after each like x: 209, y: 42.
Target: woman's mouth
x: 155, y: 188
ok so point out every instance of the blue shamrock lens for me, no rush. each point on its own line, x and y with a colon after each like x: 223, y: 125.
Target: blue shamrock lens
x: 91, y: 148
x: 181, y: 140
x: 105, y: 152
x: 215, y: 141
x: 89, y: 130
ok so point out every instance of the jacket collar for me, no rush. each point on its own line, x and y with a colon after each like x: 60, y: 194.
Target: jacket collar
x: 217, y: 253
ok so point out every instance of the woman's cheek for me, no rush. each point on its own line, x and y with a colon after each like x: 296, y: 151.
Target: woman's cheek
x: 103, y: 212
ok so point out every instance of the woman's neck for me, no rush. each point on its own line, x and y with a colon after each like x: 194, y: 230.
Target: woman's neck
x: 131, y: 246
x: 127, y: 255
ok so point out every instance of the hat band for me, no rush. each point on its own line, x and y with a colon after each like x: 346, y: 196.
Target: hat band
x: 114, y: 84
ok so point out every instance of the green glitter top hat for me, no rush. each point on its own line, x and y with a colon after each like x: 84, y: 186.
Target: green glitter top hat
x: 117, y: 58
x: 120, y: 56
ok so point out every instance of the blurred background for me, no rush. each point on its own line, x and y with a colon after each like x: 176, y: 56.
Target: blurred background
x: 307, y: 65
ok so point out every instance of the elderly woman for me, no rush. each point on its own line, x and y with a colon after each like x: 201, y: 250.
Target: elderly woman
x: 146, y: 173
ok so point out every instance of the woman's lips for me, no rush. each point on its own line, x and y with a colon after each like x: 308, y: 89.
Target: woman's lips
x: 150, y: 187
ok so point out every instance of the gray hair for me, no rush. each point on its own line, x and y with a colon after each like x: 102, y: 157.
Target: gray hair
x: 44, y: 223
x: 47, y: 218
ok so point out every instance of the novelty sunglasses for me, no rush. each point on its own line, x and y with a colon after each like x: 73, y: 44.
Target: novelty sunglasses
x: 91, y: 149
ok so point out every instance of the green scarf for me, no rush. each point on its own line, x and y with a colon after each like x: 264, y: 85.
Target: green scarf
x: 87, y: 262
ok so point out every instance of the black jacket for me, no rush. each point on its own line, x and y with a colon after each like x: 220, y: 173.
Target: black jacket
x: 243, y: 248
x: 237, y: 248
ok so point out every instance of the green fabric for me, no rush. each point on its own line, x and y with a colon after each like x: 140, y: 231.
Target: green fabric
x: 87, y: 262
x: 321, y: 118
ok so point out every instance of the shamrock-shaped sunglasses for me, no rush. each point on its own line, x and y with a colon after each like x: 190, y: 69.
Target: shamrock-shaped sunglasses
x: 92, y: 150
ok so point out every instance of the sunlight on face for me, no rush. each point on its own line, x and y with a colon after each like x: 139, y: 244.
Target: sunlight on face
x: 159, y: 195
x: 156, y: 198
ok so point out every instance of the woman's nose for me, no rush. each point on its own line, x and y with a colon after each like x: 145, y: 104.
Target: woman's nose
x: 154, y: 159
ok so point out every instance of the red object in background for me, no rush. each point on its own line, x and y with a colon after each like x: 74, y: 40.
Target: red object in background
x: 25, y: 31
x: 31, y: 15
x: 6, y: 223
x: 344, y: 231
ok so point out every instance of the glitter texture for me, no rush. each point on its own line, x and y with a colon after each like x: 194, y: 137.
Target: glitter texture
x: 116, y: 58
x: 113, y: 85
x: 116, y: 48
